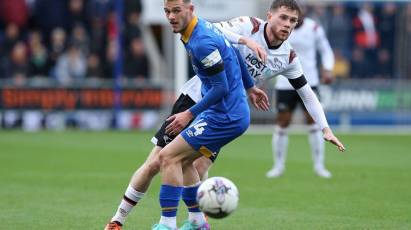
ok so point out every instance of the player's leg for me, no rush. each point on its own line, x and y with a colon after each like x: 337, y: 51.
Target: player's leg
x: 196, y: 218
x: 172, y: 158
x: 205, y: 137
x: 316, y: 140
x: 202, y: 165
x: 141, y: 179
x: 286, y: 103
x: 138, y: 185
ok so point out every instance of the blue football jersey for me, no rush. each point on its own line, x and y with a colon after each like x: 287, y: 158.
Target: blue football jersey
x: 210, y: 54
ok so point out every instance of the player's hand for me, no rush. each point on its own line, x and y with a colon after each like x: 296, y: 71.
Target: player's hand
x: 178, y: 121
x: 327, y: 77
x: 257, y: 48
x: 258, y: 98
x: 329, y: 136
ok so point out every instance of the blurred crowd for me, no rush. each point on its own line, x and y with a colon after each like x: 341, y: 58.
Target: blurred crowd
x: 69, y: 40
x: 72, y: 40
x: 363, y: 36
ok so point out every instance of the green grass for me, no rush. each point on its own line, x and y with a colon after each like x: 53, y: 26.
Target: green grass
x: 74, y: 180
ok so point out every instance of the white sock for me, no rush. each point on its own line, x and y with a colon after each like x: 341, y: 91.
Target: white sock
x: 170, y: 222
x: 280, y: 146
x: 130, y: 199
x: 315, y: 137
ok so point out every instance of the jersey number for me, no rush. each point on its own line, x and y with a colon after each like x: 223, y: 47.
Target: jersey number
x: 199, y: 128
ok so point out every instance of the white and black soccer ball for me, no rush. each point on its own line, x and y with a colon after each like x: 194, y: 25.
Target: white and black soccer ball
x: 217, y: 197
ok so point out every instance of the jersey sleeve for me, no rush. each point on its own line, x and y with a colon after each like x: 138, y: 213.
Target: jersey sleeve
x: 208, y: 55
x: 324, y: 48
x: 243, y: 26
x: 228, y: 34
x: 294, y: 69
x: 211, y: 64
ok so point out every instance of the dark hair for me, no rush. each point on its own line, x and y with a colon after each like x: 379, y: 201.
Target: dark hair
x: 290, y: 4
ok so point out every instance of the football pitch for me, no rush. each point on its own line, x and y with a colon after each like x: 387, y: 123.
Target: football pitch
x: 75, y: 180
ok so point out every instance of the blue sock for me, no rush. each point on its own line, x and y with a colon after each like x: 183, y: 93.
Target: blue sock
x: 169, y: 198
x: 189, y: 198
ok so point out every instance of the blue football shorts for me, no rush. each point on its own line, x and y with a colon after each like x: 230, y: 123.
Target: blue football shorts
x: 208, y: 136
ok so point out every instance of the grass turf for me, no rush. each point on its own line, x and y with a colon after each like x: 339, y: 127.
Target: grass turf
x: 74, y: 180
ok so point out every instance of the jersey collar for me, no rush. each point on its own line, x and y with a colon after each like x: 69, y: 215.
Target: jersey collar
x: 189, y: 30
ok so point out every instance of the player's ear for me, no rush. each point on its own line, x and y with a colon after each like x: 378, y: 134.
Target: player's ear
x: 191, y: 7
x: 269, y: 15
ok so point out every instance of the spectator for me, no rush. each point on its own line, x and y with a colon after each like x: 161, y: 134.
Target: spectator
x: 133, y: 12
x: 16, y: 67
x: 94, y: 68
x: 339, y: 29
x: 360, y: 66
x: 11, y: 37
x: 136, y: 64
x: 79, y: 38
x: 365, y: 33
x: 111, y: 54
x: 386, y: 25
x: 39, y: 65
x: 99, y: 10
x: 341, y: 66
x: 14, y: 12
x: 57, y: 45
x: 77, y: 14
x: 50, y: 14
x: 384, y: 64
x: 71, y: 66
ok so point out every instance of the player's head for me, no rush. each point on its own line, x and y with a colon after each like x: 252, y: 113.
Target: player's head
x: 179, y: 13
x: 283, y: 17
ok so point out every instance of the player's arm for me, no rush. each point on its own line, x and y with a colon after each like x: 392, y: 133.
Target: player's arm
x: 326, y: 53
x: 236, y: 33
x: 310, y: 100
x: 315, y: 109
x: 209, y: 55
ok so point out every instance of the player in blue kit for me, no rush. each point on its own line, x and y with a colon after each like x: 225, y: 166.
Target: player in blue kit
x: 221, y: 115
x: 190, y: 95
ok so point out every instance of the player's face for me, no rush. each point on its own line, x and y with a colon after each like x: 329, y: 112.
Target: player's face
x: 179, y: 14
x: 282, y: 21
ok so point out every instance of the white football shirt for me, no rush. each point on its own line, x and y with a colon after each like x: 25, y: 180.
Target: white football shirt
x: 280, y: 60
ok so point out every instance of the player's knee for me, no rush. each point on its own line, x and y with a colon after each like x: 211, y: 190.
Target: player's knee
x: 153, y: 167
x: 164, y: 158
x: 283, y: 119
x: 283, y: 123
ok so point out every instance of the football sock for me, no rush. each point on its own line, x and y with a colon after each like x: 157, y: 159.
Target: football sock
x: 315, y: 137
x: 189, y: 197
x: 169, y: 198
x: 130, y: 199
x: 170, y: 222
x: 280, y: 146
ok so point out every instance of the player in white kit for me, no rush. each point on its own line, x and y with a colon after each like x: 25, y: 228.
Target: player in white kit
x: 307, y: 39
x: 281, y: 58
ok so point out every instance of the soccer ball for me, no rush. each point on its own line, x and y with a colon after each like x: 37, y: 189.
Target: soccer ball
x: 217, y: 197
